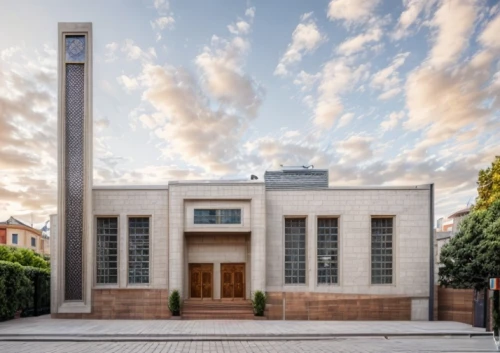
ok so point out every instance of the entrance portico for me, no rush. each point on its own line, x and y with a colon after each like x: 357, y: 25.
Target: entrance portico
x: 220, y: 254
x: 217, y: 266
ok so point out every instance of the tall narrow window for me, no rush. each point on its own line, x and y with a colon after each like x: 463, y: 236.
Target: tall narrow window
x: 328, y: 251
x: 107, y: 250
x: 382, y: 264
x: 138, y: 250
x: 295, y: 251
x: 14, y: 238
x: 33, y: 242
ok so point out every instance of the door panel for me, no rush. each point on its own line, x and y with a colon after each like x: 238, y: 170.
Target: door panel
x: 195, y: 284
x: 239, y: 284
x: 3, y: 236
x: 233, y: 281
x: 227, y: 284
x: 206, y: 279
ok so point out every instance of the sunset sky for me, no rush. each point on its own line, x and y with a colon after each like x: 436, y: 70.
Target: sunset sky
x: 392, y: 92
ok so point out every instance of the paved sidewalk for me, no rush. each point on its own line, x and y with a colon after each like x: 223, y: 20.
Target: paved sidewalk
x: 45, y: 327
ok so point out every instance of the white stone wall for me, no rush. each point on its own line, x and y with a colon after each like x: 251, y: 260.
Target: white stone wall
x: 124, y: 203
x: 354, y: 208
x: 223, y: 193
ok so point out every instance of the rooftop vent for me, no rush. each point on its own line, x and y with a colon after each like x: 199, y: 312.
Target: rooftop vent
x: 296, y: 178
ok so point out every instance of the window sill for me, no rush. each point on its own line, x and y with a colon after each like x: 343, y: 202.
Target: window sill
x: 105, y: 286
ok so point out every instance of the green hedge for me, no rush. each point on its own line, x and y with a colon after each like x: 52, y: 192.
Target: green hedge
x: 24, y: 257
x: 24, y: 282
x: 40, y: 282
x: 16, y: 289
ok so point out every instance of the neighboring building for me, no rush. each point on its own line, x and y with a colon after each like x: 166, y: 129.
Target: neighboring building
x: 457, y: 218
x: 444, y: 224
x: 13, y: 232
x: 449, y: 227
x: 319, y: 252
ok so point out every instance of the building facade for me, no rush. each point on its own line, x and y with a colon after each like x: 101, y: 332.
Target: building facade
x: 319, y: 252
x: 18, y: 234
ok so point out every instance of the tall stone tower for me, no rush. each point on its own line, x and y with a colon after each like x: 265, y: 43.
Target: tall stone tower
x: 72, y: 242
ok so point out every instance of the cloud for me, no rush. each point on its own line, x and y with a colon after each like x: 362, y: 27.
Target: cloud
x: 306, y: 38
x: 162, y: 6
x: 223, y: 76
x: 448, y: 105
x: 129, y: 83
x: 250, y: 12
x: 355, y: 149
x: 163, y: 22
x: 134, y: 52
x: 306, y: 81
x: 489, y: 37
x: 388, y: 79
x: 351, y: 11
x: 240, y: 27
x: 345, y: 120
x: 453, y: 23
x: 203, y: 119
x: 9, y: 52
x: 410, y: 16
x: 356, y: 44
x: 392, y: 121
x: 102, y: 123
x: 110, y: 52
x: 27, y: 119
x: 338, y: 76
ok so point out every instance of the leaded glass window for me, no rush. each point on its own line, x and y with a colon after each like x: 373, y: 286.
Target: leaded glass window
x: 107, y: 250
x: 217, y: 216
x: 328, y: 250
x: 138, y: 250
x: 295, y: 251
x: 382, y: 247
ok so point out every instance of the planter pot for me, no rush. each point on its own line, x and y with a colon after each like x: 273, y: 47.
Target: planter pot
x: 17, y: 315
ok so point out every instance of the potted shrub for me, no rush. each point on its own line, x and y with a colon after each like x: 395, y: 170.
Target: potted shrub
x: 174, y: 303
x: 259, y: 303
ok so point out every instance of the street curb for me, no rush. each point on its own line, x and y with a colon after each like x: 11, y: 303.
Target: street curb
x: 218, y: 337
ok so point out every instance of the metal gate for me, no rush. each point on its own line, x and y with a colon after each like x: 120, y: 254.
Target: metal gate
x: 479, y: 309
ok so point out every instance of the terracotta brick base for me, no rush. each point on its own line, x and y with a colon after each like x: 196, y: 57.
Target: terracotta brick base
x: 329, y: 306
x: 145, y: 304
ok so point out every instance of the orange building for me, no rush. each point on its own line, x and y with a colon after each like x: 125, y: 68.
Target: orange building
x: 16, y: 233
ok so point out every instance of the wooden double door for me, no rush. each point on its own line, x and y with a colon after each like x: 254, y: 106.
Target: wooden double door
x: 232, y: 281
x: 201, y: 280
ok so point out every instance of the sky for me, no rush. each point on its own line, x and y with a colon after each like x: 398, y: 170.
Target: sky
x: 394, y: 92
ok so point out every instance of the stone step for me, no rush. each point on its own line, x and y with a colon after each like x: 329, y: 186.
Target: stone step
x: 217, y: 316
x: 217, y: 309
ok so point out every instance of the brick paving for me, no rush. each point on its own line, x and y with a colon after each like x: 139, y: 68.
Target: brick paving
x: 44, y: 325
x: 350, y: 345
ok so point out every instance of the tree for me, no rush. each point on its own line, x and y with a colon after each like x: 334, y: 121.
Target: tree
x: 472, y: 256
x: 488, y: 185
x: 462, y: 266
